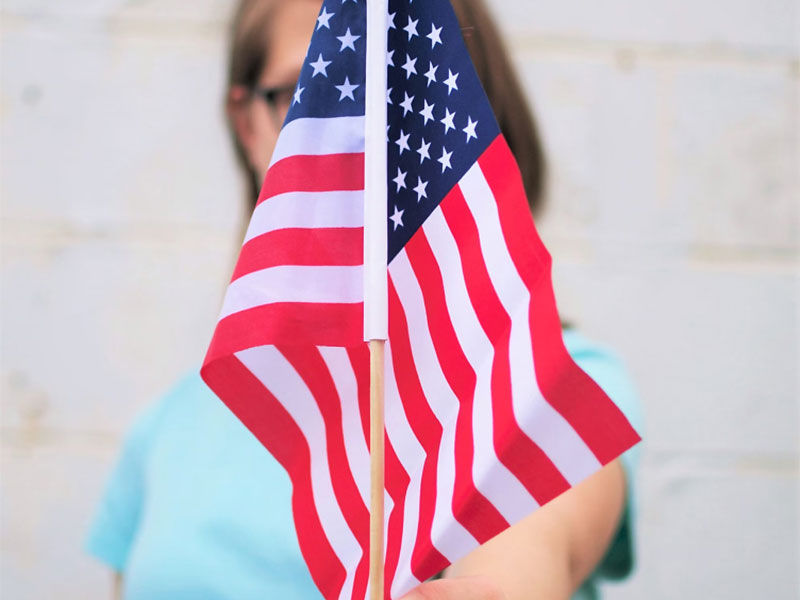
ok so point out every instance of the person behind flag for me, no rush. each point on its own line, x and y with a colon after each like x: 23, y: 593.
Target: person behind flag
x: 196, y: 508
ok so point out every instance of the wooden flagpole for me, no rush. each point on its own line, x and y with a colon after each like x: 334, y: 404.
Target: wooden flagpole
x: 376, y: 352
x: 376, y: 320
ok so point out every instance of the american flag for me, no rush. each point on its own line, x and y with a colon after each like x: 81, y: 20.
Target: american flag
x: 487, y: 416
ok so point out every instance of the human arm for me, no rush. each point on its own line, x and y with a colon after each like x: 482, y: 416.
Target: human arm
x: 116, y: 519
x: 547, y: 555
x: 116, y: 589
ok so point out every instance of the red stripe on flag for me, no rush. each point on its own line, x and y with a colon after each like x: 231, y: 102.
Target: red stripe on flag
x: 269, y: 421
x: 524, y: 458
x: 313, y: 370
x: 426, y: 560
x: 599, y: 422
x: 359, y: 361
x: 285, y: 323
x: 397, y: 482
x: 314, y: 173
x: 470, y: 507
x: 340, y: 246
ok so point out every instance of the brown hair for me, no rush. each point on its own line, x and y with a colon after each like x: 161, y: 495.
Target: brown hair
x: 249, y: 54
x: 501, y: 83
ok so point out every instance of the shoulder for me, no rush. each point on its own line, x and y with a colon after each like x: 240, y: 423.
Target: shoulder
x: 152, y: 416
x: 142, y: 437
x: 117, y: 517
x: 119, y: 512
x: 187, y: 389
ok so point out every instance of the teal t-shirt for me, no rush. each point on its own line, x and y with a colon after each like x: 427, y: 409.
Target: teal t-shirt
x: 197, y: 509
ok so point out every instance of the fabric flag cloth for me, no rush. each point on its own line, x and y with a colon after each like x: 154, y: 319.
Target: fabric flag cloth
x: 487, y: 416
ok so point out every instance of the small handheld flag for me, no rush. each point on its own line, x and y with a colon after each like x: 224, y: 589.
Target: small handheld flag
x: 487, y: 416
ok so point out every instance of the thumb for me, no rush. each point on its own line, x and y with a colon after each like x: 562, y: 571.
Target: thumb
x: 457, y: 588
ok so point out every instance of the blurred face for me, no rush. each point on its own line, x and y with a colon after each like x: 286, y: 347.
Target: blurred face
x: 258, y: 114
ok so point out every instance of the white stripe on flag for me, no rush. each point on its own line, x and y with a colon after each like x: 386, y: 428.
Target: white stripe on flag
x: 290, y: 283
x: 412, y: 457
x: 307, y: 210
x: 450, y: 537
x: 317, y: 136
x: 290, y: 390
x: 537, y: 418
x: 355, y: 445
x: 491, y: 477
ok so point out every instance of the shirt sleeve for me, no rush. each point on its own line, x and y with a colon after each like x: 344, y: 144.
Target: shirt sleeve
x: 116, y: 520
x: 611, y: 375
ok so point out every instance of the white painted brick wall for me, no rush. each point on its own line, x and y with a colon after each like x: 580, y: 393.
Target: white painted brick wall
x: 672, y: 130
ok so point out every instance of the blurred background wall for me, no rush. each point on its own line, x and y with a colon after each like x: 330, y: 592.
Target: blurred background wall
x: 672, y: 129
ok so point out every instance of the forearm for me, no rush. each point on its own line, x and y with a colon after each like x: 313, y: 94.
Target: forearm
x: 549, y: 554
x: 539, y: 568
x: 116, y: 586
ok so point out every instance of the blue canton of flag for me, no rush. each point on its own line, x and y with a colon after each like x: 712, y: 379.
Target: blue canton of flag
x: 332, y: 82
x: 436, y: 129
x: 438, y: 125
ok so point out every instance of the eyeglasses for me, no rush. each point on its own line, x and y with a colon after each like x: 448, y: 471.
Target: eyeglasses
x: 278, y: 99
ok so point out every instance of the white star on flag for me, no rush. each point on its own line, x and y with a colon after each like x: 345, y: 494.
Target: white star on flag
x: 348, y: 40
x: 445, y: 159
x: 402, y: 141
x: 421, y: 189
x: 431, y: 74
x: 470, y: 129
x: 435, y: 35
x: 320, y: 66
x: 411, y: 28
x: 397, y: 218
x: 406, y: 104
x: 450, y: 82
x: 448, y: 120
x: 427, y: 111
x: 400, y: 180
x: 410, y: 66
x: 346, y: 89
x: 324, y: 18
x: 423, y: 151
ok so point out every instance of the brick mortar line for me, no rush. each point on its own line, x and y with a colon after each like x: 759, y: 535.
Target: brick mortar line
x: 59, y: 233
x: 524, y: 43
x: 129, y: 26
x: 657, y: 52
x: 585, y: 251
x: 26, y: 438
x: 736, y: 465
